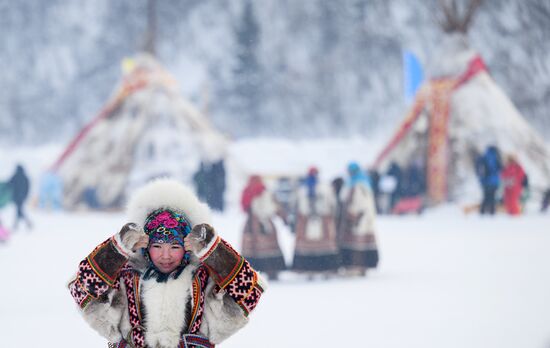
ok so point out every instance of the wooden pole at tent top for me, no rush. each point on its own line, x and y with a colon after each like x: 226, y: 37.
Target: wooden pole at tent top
x: 150, y: 35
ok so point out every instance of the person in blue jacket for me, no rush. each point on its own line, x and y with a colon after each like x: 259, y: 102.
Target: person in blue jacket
x: 488, y: 167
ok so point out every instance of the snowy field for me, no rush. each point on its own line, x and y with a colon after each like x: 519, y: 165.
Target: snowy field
x: 444, y: 280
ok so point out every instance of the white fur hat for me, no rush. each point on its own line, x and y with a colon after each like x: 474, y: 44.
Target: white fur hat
x: 168, y: 194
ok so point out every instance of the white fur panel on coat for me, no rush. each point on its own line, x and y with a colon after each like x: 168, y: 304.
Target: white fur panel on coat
x: 164, y: 305
x: 362, y: 204
x: 167, y: 193
x: 264, y: 206
x: 325, y: 201
x: 222, y: 316
x: 106, y: 317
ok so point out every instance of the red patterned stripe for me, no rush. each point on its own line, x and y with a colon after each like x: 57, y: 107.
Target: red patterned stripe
x: 138, y: 337
x: 199, y: 286
x: 212, y: 248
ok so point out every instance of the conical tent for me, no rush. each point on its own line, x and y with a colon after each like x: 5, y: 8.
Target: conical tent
x: 457, y: 114
x: 145, y: 130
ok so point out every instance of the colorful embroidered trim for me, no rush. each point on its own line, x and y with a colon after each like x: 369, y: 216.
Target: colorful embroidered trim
x: 132, y: 285
x: 108, y: 269
x: 190, y: 340
x: 200, y: 280
x: 211, y: 250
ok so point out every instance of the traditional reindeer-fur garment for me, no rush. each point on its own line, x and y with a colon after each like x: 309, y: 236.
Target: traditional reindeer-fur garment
x: 356, y: 238
x: 202, y: 306
x: 260, y: 245
x: 316, y: 245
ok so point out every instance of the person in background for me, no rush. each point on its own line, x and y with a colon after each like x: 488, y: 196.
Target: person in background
x: 260, y: 244
x: 357, y: 240
x: 167, y: 279
x: 337, y: 184
x: 514, y: 178
x: 488, y: 167
x: 545, y: 201
x: 50, y: 191
x: 316, y: 248
x: 285, y: 192
x: 396, y: 173
x: 19, y: 186
x: 375, y: 183
x: 209, y: 181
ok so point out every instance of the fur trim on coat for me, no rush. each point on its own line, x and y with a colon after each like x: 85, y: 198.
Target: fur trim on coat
x: 167, y: 193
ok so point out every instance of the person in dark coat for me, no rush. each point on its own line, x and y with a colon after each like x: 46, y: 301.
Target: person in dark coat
x: 19, y: 185
x: 395, y: 172
x: 488, y: 168
x: 337, y: 184
x: 217, y: 173
x: 375, y: 183
x: 545, y: 201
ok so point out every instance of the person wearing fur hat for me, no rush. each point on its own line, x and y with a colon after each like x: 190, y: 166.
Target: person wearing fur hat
x: 167, y: 279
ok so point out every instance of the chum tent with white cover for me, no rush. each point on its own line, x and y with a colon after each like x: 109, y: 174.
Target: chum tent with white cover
x: 146, y: 130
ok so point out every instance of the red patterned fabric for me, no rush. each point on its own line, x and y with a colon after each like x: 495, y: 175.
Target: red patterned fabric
x: 438, y: 144
x: 241, y: 283
x: 87, y: 285
x: 132, y: 294
x: 199, y: 286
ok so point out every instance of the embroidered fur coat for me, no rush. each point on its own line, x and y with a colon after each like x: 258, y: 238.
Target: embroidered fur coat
x: 208, y: 302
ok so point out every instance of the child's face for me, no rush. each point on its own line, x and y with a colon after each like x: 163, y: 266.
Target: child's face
x: 166, y: 257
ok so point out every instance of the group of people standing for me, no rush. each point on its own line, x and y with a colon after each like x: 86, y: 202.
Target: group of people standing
x: 333, y: 223
x: 497, y: 178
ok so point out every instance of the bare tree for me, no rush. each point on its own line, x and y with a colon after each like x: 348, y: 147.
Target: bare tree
x: 457, y: 15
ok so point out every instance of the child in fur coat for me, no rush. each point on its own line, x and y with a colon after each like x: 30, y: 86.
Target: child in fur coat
x: 167, y: 279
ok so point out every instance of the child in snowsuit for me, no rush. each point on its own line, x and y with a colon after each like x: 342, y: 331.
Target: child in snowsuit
x: 167, y: 279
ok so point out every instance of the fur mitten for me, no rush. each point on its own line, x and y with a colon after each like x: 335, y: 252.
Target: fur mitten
x: 131, y: 238
x: 200, y: 238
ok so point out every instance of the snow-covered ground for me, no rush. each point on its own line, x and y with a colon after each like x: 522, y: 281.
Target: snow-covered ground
x: 444, y: 280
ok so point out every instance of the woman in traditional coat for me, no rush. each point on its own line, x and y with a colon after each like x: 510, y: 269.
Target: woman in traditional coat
x: 357, y: 239
x: 316, y: 246
x: 166, y: 280
x: 260, y: 244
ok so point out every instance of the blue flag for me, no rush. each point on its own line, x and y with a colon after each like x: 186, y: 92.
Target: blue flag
x: 413, y: 75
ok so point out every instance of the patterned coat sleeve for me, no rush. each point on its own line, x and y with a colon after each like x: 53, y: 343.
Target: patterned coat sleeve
x: 98, y: 273
x: 233, y: 274
x: 236, y: 292
x: 98, y: 291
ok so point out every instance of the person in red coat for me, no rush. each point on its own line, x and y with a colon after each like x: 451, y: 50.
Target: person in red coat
x: 513, y: 177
